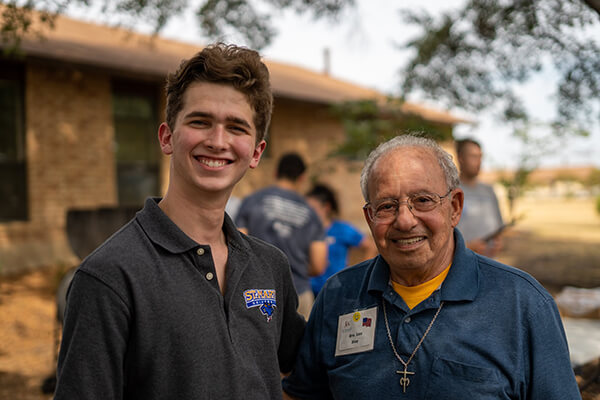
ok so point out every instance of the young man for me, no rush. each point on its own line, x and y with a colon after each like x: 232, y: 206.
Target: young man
x: 178, y: 304
x: 280, y: 215
x: 428, y: 318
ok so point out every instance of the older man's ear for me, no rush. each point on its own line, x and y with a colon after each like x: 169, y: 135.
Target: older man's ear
x: 458, y: 200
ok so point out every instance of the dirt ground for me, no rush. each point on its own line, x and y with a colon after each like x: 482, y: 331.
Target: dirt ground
x: 27, y: 333
x: 557, y: 241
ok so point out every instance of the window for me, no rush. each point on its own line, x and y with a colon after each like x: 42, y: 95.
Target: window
x: 136, y: 144
x: 13, y: 168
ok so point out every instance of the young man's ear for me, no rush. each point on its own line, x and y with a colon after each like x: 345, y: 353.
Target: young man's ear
x: 165, y: 136
x: 258, y: 150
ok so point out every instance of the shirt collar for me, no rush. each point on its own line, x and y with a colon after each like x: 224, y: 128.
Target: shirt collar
x: 462, y: 282
x: 162, y: 231
x: 380, y: 275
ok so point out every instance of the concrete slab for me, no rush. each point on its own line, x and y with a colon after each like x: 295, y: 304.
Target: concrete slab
x: 583, y: 336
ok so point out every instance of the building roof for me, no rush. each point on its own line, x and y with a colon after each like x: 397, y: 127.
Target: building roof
x: 153, y: 56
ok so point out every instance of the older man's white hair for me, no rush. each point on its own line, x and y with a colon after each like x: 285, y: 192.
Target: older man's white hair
x: 410, y: 140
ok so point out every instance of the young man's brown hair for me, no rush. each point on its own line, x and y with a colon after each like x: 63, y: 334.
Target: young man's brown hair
x: 231, y: 65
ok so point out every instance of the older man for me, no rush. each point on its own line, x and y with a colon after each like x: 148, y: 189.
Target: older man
x: 428, y: 318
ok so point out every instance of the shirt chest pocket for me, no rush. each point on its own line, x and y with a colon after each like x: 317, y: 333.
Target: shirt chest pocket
x: 453, y: 380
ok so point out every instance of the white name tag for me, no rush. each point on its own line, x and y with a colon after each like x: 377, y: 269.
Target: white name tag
x: 356, y: 332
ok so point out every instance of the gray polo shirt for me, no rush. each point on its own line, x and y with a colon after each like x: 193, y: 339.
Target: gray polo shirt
x: 145, y: 318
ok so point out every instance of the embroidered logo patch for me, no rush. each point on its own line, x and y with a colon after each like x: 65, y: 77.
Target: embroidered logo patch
x: 264, y: 299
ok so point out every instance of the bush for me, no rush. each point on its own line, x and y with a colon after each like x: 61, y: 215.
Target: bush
x: 598, y: 204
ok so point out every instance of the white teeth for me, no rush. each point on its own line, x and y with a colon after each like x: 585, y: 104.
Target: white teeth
x: 213, y: 163
x: 409, y: 241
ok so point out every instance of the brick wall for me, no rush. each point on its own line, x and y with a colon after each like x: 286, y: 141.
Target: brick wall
x: 69, y: 145
x: 70, y: 155
x: 310, y: 130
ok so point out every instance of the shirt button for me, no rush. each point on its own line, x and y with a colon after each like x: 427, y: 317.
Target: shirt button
x: 407, y: 320
x: 209, y: 276
x: 200, y: 251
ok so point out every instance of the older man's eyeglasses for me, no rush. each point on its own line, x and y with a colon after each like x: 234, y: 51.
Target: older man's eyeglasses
x: 386, y: 210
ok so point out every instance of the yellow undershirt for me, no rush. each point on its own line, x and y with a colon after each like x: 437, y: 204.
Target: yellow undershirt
x: 413, y: 295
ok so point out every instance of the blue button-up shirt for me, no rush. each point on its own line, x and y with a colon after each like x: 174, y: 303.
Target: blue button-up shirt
x: 498, y: 336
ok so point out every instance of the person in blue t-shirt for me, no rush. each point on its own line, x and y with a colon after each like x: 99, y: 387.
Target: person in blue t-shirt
x: 341, y: 236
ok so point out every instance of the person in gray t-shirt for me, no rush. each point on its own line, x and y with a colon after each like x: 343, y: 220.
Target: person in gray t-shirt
x: 481, y: 220
x: 280, y: 215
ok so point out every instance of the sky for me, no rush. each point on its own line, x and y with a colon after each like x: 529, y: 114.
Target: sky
x: 364, y: 48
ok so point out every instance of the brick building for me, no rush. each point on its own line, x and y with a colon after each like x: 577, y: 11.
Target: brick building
x: 80, y: 110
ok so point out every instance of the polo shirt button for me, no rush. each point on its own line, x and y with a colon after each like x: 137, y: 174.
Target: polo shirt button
x: 407, y: 320
x: 209, y: 276
x: 200, y: 251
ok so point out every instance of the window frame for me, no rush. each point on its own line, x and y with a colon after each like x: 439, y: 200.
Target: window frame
x: 15, y: 195
x: 144, y: 171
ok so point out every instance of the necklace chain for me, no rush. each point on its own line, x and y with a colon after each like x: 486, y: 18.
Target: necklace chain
x: 387, y: 327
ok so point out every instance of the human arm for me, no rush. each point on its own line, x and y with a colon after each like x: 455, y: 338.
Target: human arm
x: 551, y: 375
x: 481, y: 221
x: 367, y: 245
x: 241, y: 217
x: 91, y: 359
x: 317, y: 258
x: 293, y: 323
x: 361, y: 246
x: 493, y: 241
x: 308, y: 379
x: 491, y: 244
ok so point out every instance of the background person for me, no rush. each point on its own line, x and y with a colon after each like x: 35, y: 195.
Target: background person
x: 232, y: 207
x: 341, y: 235
x: 481, y: 218
x: 178, y: 304
x: 428, y: 318
x: 280, y: 215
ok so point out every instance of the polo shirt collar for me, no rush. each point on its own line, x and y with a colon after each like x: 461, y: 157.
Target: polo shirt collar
x: 461, y: 284
x: 162, y: 231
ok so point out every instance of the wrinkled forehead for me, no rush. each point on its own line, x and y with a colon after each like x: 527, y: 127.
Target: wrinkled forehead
x: 399, y: 158
x: 413, y: 168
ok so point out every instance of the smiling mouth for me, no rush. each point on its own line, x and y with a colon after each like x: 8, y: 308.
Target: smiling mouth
x: 212, y: 163
x: 406, y: 242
